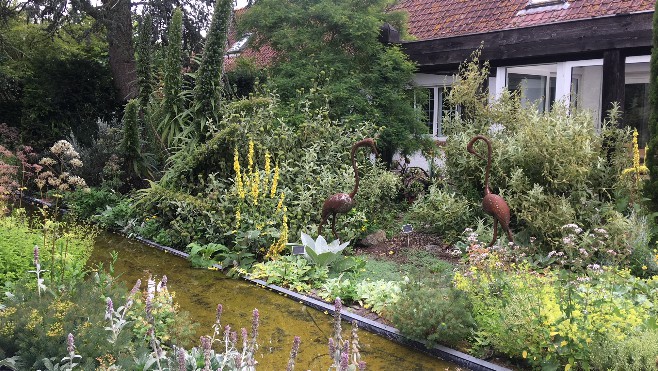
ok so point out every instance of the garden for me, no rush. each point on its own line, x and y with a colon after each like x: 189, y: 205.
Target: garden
x: 233, y: 168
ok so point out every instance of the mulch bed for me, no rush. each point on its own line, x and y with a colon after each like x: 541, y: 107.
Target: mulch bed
x: 394, y: 249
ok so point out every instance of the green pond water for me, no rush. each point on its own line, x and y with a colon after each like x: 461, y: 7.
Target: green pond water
x: 199, y: 291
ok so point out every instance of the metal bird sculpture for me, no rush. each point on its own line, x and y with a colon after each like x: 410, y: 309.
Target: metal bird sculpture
x: 492, y: 204
x: 341, y: 203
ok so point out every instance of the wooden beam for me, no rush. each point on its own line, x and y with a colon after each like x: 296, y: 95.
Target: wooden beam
x: 614, y: 71
x: 581, y: 39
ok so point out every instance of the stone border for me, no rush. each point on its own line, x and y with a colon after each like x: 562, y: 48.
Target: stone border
x: 459, y: 358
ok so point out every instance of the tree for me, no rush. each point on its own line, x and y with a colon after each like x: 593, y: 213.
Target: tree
x: 115, y: 16
x: 333, y: 46
x: 651, y: 156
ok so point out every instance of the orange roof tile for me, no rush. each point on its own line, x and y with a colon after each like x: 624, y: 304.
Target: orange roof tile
x: 433, y: 19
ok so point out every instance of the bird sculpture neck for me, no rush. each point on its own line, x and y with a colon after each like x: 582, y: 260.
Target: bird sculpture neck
x: 368, y: 142
x: 489, y: 153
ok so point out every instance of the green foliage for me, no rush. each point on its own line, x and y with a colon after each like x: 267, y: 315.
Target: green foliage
x: 116, y: 217
x: 207, y: 91
x: 16, y: 245
x: 170, y: 125
x: 131, y: 145
x: 54, y: 86
x: 144, y: 58
x: 35, y: 327
x: 441, y: 212
x: 636, y: 353
x: 556, y: 318
x: 359, y: 77
x: 244, y: 77
x: 201, y: 255
x: 292, y: 271
x: 651, y: 154
x: 65, y: 247
x: 84, y: 205
x: 430, y: 310
x: 312, y: 153
x: 552, y: 168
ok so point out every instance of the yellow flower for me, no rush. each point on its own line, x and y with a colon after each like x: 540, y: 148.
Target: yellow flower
x: 279, y: 206
x: 644, y: 267
x: 237, y: 218
x: 238, y: 175
x: 255, y: 189
x: 268, y: 168
x: 250, y: 157
x: 275, y: 181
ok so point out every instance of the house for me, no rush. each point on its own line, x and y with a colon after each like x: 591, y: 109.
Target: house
x: 587, y: 53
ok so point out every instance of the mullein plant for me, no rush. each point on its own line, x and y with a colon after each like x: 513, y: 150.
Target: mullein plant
x: 637, y: 171
x: 257, y: 192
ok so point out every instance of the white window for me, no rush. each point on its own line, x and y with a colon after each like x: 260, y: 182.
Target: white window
x: 437, y: 109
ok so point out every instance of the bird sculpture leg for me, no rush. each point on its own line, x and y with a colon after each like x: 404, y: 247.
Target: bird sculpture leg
x: 324, y: 220
x: 495, y: 234
x: 333, y: 226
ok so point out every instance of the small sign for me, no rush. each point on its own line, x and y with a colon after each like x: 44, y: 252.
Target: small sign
x: 298, y: 249
x: 407, y: 228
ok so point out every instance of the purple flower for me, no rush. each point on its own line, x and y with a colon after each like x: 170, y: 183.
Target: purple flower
x: 344, y: 361
x: 332, y: 347
x: 181, y: 359
x: 206, y: 345
x: 293, y: 353
x: 70, y: 343
x: 254, y: 325
x: 218, y: 315
x: 362, y: 365
x: 244, y: 337
x: 36, y: 255
x: 136, y: 287
x: 109, y: 312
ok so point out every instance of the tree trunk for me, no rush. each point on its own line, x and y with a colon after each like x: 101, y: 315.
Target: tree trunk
x: 118, y: 22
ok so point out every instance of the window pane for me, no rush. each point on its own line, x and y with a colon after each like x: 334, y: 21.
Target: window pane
x: 531, y: 87
x: 428, y: 108
x: 636, y: 110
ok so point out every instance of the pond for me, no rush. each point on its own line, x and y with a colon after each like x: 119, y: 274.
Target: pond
x: 198, y: 291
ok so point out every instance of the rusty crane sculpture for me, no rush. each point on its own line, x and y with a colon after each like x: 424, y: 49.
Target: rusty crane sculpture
x: 341, y: 203
x: 492, y: 204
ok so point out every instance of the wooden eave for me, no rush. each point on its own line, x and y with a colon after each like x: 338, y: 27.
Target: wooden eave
x: 556, y: 42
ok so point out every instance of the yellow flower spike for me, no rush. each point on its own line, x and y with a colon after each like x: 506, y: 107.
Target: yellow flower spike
x: 279, y: 206
x: 255, y: 187
x: 275, y: 181
x: 237, y: 218
x: 268, y: 168
x: 238, y: 175
x: 250, y: 157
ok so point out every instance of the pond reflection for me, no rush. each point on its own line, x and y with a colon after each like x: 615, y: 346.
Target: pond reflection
x: 199, y: 291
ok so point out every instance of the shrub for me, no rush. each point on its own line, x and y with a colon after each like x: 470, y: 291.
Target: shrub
x: 430, y: 310
x: 552, y: 168
x: 65, y: 248
x: 635, y: 353
x: 441, y: 212
x: 84, y: 205
x: 556, y: 319
x: 292, y: 271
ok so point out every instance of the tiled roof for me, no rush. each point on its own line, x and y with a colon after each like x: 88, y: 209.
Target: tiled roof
x: 433, y: 19
x: 262, y: 57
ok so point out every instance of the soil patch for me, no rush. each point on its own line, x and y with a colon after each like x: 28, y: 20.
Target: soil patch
x: 395, y: 248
